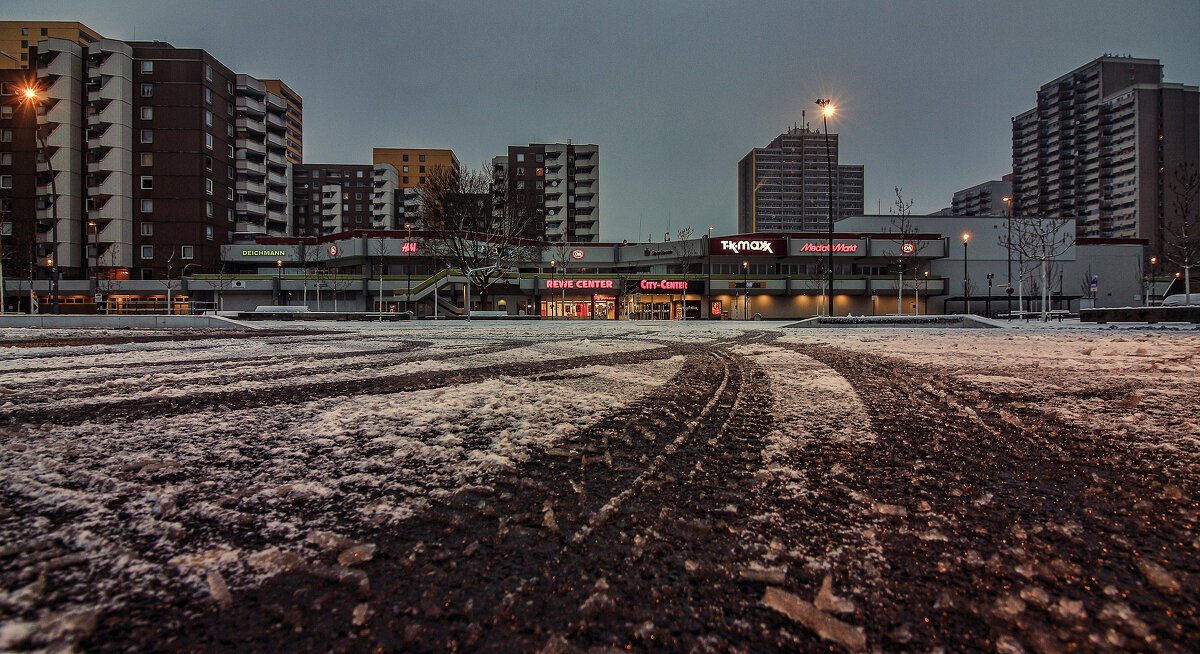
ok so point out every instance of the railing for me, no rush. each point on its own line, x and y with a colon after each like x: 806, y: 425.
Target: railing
x: 177, y: 307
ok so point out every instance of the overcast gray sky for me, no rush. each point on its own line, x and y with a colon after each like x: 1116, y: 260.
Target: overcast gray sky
x: 674, y: 93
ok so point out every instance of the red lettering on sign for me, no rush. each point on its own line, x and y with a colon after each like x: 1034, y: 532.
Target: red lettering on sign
x: 847, y: 248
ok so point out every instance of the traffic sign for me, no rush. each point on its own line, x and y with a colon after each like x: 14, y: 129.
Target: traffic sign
x: 333, y: 250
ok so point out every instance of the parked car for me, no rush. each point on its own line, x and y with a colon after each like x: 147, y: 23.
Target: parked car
x: 1175, y: 297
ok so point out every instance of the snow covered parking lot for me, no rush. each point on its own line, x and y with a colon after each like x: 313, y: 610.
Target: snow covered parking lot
x: 516, y: 486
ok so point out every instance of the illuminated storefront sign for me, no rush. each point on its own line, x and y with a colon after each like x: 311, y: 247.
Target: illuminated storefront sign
x: 716, y: 308
x: 907, y: 248
x: 662, y: 285
x: 579, y: 283
x: 408, y: 247
x: 838, y: 248
x: 576, y: 254
x: 333, y: 250
x: 743, y: 246
x: 264, y: 253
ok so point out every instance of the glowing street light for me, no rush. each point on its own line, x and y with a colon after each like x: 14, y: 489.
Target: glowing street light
x: 30, y: 96
x: 966, y: 292
x: 827, y: 109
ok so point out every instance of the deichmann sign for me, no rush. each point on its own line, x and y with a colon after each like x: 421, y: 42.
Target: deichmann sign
x: 264, y: 253
x: 747, y: 246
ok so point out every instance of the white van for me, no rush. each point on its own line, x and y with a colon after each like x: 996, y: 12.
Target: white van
x: 1175, y: 297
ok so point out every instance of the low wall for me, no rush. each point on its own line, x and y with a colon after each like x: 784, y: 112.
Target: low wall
x: 1141, y: 314
x: 50, y: 321
x: 952, y: 320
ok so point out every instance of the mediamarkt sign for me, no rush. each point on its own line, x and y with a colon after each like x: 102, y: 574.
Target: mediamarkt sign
x: 845, y: 248
x: 745, y: 246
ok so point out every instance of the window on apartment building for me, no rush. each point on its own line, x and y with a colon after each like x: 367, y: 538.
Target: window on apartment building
x: 520, y: 172
x: 229, y: 151
x: 147, y: 251
x: 208, y: 186
x: 24, y: 31
x: 147, y: 229
x: 360, y: 173
x: 422, y: 169
x: 421, y: 158
x: 405, y: 168
x: 208, y: 140
x: 45, y: 32
x: 6, y: 111
x: 208, y: 209
x: 5, y: 181
x: 229, y: 194
x: 147, y: 206
x: 147, y: 67
x: 540, y: 158
x: 358, y: 207
x: 147, y: 182
x: 520, y: 158
x: 25, y: 43
x: 208, y: 73
x: 187, y: 252
x: 539, y: 184
x: 208, y: 118
x: 207, y: 96
x: 422, y: 180
x: 147, y: 113
x: 147, y: 90
x: 147, y: 159
x: 208, y: 162
x: 404, y: 157
x: 405, y: 180
x: 147, y: 136
x: 6, y: 135
x: 208, y: 232
x: 6, y: 159
x: 520, y: 183
x: 229, y: 215
x: 345, y: 207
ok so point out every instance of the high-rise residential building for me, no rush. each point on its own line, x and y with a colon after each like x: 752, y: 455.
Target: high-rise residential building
x: 19, y: 38
x: 986, y: 199
x: 553, y: 187
x: 293, y: 127
x: 414, y: 163
x: 154, y: 156
x: 1102, y: 146
x: 785, y: 186
x: 332, y: 198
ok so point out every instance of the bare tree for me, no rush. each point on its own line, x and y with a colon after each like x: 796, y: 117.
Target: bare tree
x: 169, y: 282
x: 382, y: 250
x: 1039, y: 241
x: 686, y: 248
x: 904, y: 258
x: 474, y: 229
x: 306, y: 254
x: 1181, y: 244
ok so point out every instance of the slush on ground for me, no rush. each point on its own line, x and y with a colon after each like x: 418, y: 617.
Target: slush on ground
x: 563, y: 487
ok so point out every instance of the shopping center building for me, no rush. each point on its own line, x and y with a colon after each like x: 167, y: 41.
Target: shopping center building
x: 745, y: 276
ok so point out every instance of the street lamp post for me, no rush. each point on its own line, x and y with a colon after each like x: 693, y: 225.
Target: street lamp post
x: 745, y: 290
x: 1008, y: 246
x: 827, y: 111
x: 31, y: 96
x: 553, y: 277
x: 182, y: 274
x: 407, y: 269
x: 1153, y: 286
x: 966, y: 291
